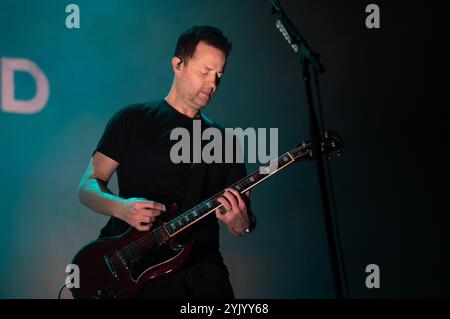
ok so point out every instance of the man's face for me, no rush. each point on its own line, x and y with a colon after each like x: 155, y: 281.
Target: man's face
x: 199, y: 77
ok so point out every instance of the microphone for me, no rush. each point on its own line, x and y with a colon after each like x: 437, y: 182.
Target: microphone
x: 293, y: 37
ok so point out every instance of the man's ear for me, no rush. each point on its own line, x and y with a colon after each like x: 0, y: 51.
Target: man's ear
x: 176, y: 63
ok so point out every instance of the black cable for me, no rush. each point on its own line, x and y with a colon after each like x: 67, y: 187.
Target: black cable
x: 60, y: 291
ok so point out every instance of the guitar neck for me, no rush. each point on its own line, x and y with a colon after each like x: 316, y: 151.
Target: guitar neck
x: 202, y: 210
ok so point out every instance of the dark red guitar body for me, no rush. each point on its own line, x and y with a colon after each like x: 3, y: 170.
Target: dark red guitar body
x: 115, y: 267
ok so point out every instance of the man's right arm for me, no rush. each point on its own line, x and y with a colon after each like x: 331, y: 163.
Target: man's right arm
x: 93, y: 193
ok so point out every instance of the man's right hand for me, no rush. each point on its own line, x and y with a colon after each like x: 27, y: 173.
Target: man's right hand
x: 139, y: 212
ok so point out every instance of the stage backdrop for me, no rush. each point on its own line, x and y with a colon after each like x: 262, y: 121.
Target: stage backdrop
x: 385, y: 91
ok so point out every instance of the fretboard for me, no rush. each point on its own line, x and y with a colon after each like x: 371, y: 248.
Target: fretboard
x: 193, y: 215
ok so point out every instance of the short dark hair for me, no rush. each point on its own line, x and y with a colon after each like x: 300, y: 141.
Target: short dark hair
x: 187, y: 42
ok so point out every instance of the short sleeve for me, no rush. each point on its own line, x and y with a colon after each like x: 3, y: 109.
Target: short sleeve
x: 116, y: 136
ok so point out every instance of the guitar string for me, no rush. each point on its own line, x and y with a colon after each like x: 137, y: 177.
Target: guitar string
x: 155, y: 234
x: 134, y: 250
x: 160, y: 237
x: 241, y: 183
x: 244, y: 180
x: 131, y: 249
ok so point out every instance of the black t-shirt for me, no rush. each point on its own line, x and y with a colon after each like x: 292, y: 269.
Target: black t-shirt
x: 138, y: 138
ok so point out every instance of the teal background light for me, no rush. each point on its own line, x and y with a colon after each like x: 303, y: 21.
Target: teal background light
x: 391, y: 186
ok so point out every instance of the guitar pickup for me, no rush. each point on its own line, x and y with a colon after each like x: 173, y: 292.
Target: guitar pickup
x: 111, y: 268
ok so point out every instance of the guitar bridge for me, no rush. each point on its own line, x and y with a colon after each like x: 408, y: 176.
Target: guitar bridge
x: 122, y: 259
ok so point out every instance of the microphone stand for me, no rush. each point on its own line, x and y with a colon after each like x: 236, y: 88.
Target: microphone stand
x: 310, y: 59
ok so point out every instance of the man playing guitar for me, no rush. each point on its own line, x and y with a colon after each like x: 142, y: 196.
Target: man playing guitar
x: 136, y: 144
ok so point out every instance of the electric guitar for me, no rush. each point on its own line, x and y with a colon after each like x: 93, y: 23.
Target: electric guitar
x: 113, y: 267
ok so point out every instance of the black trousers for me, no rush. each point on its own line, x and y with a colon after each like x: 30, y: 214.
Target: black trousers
x: 203, y: 278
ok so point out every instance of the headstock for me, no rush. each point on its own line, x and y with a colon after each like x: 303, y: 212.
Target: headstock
x: 330, y: 144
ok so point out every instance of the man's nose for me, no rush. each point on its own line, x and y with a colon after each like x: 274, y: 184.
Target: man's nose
x: 213, y: 83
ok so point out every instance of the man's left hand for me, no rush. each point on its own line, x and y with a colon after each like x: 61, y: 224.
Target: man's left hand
x: 236, y: 217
